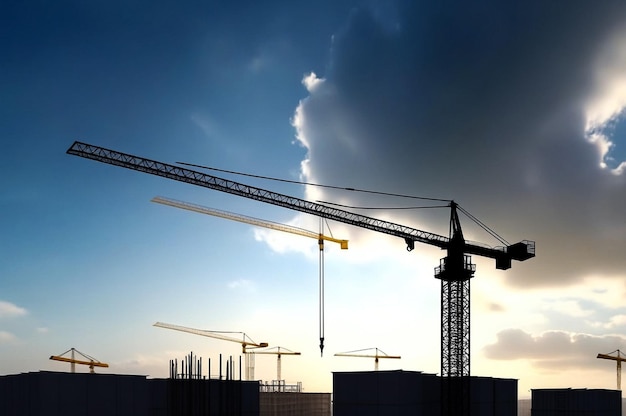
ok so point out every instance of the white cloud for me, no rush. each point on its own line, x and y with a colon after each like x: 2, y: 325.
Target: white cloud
x: 242, y: 284
x: 6, y: 337
x: 207, y: 124
x: 552, y: 349
x: 312, y: 82
x: 569, y: 307
x: 613, y: 322
x: 8, y: 309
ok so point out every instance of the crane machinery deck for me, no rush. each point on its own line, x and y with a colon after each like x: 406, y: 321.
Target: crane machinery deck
x: 455, y: 270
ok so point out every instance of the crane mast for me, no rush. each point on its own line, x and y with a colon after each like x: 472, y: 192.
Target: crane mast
x: 455, y: 270
x: 618, y: 360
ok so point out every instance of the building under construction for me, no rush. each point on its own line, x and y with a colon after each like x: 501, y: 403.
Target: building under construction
x: 83, y: 394
x: 373, y: 393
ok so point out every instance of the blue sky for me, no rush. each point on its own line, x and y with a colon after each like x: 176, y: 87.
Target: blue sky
x: 515, y: 112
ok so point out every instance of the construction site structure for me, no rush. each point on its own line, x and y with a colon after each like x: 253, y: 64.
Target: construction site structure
x: 246, y: 343
x: 90, y: 361
x: 360, y: 354
x: 455, y: 270
x: 278, y: 352
x: 618, y: 360
x: 273, y: 226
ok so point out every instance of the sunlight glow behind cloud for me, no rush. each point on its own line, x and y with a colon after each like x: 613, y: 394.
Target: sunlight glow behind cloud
x: 608, y: 99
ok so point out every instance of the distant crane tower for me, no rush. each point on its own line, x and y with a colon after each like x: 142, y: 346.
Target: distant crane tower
x: 90, y: 361
x: 359, y: 353
x: 618, y: 359
x: 246, y: 343
x: 273, y: 226
x: 278, y: 352
x: 455, y: 270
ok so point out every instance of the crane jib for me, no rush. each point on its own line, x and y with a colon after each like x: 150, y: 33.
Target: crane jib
x: 209, y: 181
x: 503, y: 255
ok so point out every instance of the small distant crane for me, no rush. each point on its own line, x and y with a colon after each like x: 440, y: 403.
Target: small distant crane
x: 246, y: 343
x: 90, y: 361
x: 278, y: 352
x: 273, y: 226
x: 618, y: 360
x: 375, y: 356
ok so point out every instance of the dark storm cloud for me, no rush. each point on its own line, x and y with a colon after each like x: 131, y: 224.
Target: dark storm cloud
x: 483, y: 103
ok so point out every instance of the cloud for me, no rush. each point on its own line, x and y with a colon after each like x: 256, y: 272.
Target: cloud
x: 552, y: 349
x: 8, y: 309
x: 6, y: 337
x: 569, y: 307
x: 615, y: 321
x: 242, y: 284
x: 490, y: 105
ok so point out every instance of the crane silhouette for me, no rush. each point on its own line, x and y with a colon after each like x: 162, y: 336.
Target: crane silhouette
x: 619, y: 358
x: 378, y: 354
x: 273, y: 226
x: 88, y: 360
x: 278, y: 352
x: 455, y: 270
x: 246, y: 343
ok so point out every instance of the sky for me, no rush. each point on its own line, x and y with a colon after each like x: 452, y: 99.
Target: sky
x: 514, y: 111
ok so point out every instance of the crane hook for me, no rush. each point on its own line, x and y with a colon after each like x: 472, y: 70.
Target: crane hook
x: 410, y: 244
x: 321, y: 346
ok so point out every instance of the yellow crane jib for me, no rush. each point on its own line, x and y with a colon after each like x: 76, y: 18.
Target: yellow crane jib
x: 360, y: 354
x: 90, y: 361
x: 274, y: 226
x: 246, y: 343
x: 248, y: 220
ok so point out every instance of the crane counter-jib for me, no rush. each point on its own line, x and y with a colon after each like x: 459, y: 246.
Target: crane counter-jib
x: 410, y: 235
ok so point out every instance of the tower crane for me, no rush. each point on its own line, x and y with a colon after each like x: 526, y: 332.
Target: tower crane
x: 376, y: 356
x: 618, y: 359
x: 90, y: 361
x: 246, y: 343
x: 274, y: 226
x: 455, y: 270
x: 279, y: 353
